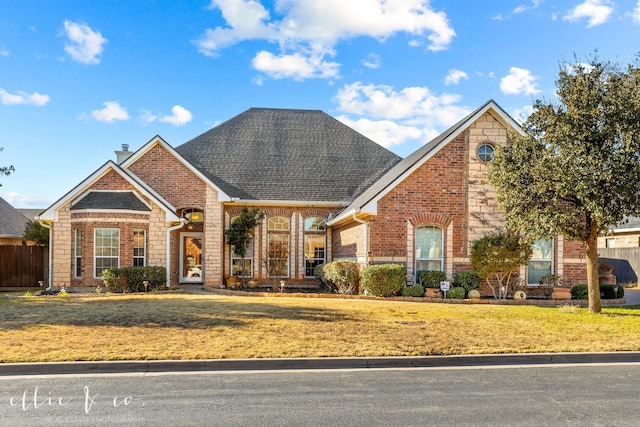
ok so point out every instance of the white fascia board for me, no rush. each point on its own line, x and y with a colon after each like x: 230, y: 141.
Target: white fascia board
x: 157, y: 140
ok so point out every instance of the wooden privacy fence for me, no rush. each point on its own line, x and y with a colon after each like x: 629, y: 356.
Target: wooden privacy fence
x: 22, y: 266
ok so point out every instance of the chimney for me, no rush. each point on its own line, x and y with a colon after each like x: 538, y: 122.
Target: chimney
x: 124, y: 154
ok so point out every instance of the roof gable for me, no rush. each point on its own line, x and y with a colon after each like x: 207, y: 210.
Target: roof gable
x: 292, y: 155
x: 367, y: 201
x: 158, y: 141
x: 51, y: 213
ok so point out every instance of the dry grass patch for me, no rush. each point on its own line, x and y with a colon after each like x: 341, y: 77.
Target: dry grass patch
x: 180, y: 326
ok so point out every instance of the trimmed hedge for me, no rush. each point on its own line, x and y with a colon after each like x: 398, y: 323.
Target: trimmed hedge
x: 413, y: 291
x: 431, y: 278
x: 456, y: 293
x: 606, y: 291
x: 132, y: 279
x: 383, y: 280
x: 467, y: 280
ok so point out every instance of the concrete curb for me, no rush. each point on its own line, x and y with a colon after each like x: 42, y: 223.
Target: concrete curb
x: 218, y: 365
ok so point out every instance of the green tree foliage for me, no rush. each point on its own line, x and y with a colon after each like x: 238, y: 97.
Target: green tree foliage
x: 35, y: 232
x: 240, y: 233
x: 5, y: 170
x: 497, y: 256
x: 575, y: 169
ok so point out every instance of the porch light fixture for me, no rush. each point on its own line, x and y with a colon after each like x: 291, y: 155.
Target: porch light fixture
x: 194, y: 215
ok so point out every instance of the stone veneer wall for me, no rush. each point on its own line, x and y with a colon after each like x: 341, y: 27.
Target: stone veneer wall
x: 213, y: 239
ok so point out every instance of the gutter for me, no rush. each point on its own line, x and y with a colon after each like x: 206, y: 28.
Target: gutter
x: 366, y: 238
x: 50, y: 278
x: 183, y: 221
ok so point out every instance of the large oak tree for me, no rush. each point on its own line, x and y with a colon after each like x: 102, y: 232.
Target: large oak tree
x: 576, y: 169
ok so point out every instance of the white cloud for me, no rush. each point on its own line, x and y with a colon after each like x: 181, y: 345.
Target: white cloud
x: 635, y: 15
x: 393, y: 117
x: 454, y: 77
x: 372, y: 61
x: 296, y: 66
x: 179, y: 116
x: 385, y: 132
x: 523, y: 7
x: 25, y: 201
x: 519, y: 81
x: 596, y: 11
x: 84, y: 44
x: 23, y: 98
x: 4, y: 51
x: 521, y: 114
x: 309, y: 30
x: 111, y: 112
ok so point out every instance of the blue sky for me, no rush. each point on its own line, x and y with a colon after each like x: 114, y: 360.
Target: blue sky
x: 79, y: 78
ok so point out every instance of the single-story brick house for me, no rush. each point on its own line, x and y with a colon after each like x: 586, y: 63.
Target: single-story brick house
x: 328, y: 193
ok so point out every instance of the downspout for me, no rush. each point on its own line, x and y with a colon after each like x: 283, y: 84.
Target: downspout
x: 50, y: 278
x: 183, y: 221
x: 366, y: 238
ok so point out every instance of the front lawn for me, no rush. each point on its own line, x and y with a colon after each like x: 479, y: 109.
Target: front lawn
x: 182, y: 326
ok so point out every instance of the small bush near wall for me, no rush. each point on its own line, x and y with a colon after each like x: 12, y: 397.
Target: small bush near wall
x: 342, y: 276
x: 606, y: 292
x: 467, y: 280
x: 431, y: 278
x: 132, y: 279
x: 413, y: 291
x: 456, y: 293
x: 383, y: 280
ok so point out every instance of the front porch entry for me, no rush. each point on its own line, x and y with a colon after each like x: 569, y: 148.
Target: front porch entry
x: 191, y: 268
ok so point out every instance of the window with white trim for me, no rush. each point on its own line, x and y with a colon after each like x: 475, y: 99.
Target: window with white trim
x: 314, y: 244
x: 139, y: 248
x: 106, y: 250
x: 541, y: 262
x: 278, y: 246
x: 77, y: 253
x: 429, y: 253
x: 236, y: 262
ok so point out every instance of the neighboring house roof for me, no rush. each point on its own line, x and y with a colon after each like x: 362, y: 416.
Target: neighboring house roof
x: 12, y: 222
x: 30, y: 213
x: 267, y: 154
x: 367, y: 201
x: 51, y: 213
x: 627, y: 225
x: 122, y: 200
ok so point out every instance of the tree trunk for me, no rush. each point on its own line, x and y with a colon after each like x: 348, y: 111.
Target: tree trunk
x: 593, y: 283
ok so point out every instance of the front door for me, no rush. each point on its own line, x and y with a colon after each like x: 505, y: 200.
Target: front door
x: 191, y: 268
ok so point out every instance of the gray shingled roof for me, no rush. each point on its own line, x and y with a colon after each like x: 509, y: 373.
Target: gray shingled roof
x: 282, y: 154
x: 110, y: 200
x: 12, y: 222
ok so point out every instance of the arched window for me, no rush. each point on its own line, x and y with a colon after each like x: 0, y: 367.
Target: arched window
x: 314, y: 244
x: 429, y: 253
x: 278, y: 251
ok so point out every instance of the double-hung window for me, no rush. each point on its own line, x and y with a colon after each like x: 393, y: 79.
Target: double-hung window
x: 429, y: 254
x: 106, y: 250
x: 139, y: 248
x: 541, y: 262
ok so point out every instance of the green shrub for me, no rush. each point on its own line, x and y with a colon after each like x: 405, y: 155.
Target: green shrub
x: 606, y: 291
x: 132, y: 279
x: 383, y: 280
x: 456, y: 293
x: 431, y: 278
x: 467, y: 281
x: 342, y: 276
x: 318, y: 273
x: 413, y: 291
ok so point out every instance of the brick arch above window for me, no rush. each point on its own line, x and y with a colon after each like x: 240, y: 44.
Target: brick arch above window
x: 430, y: 218
x: 284, y: 212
